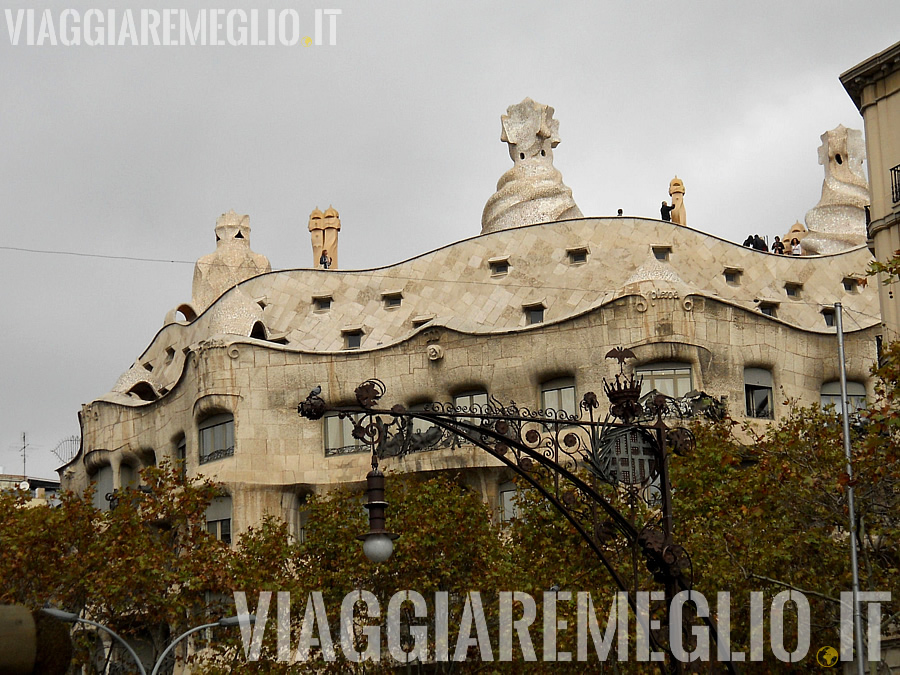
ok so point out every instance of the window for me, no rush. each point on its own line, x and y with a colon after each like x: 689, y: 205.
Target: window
x: 828, y: 315
x: 103, y: 485
x: 662, y: 253
x: 856, y: 396
x: 352, y: 338
x: 793, y: 290
x: 507, y: 493
x: 769, y: 308
x: 533, y: 314
x: 733, y: 276
x: 218, y: 519
x: 758, y: 393
x: 302, y: 522
x: 421, y: 320
x: 559, y: 394
x: 216, y: 438
x: 339, y: 436
x: 392, y: 300
x: 670, y: 379
x: 418, y: 425
x: 577, y: 256
x: 322, y: 303
x: 129, y: 477
x: 471, y: 400
x: 181, y: 458
x: 499, y: 266
x: 851, y: 285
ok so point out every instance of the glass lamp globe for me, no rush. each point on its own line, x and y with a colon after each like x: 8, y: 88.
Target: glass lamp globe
x: 378, y: 547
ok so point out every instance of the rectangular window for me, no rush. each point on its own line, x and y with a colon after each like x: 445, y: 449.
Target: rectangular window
x: 828, y: 315
x: 856, y: 396
x: 507, y: 493
x: 662, y: 253
x: 533, y: 314
x: 322, y: 304
x: 577, y: 256
x: 793, y: 290
x: 419, y: 425
x: 759, y: 401
x: 499, y: 266
x: 220, y: 529
x: 559, y: 395
x: 733, y: 276
x: 670, y: 379
x: 392, y: 300
x: 352, y: 338
x: 218, y: 519
x: 758, y: 388
x: 339, y: 436
x: 302, y: 521
x: 769, y: 308
x: 851, y: 285
x: 473, y: 400
x: 181, y: 459
x: 216, y: 438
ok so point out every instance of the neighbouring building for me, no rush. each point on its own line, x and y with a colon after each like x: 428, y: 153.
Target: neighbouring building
x: 525, y: 311
x: 874, y: 86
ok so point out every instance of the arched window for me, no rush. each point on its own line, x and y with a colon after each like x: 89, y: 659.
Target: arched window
x: 144, y: 391
x: 668, y: 378
x: 218, y: 519
x: 216, y: 437
x: 758, y: 393
x: 559, y: 394
x: 856, y: 396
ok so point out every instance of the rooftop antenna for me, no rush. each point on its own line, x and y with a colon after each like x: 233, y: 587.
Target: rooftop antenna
x: 24, y: 447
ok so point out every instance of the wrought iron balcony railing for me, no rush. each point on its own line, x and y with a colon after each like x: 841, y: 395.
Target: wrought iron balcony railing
x: 895, y: 184
x: 217, y: 454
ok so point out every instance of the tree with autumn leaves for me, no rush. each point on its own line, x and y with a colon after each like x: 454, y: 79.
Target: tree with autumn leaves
x: 758, y: 511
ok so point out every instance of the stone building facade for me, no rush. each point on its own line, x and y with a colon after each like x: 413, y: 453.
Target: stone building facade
x: 525, y: 314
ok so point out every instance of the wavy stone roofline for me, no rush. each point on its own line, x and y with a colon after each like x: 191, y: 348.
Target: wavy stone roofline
x: 453, y: 287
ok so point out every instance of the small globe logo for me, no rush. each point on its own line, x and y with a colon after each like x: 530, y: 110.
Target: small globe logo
x: 827, y: 657
x: 307, y: 41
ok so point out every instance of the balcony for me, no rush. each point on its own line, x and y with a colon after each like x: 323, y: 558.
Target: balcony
x: 895, y: 184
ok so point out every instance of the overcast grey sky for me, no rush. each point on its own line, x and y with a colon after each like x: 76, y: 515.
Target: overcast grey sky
x: 134, y: 151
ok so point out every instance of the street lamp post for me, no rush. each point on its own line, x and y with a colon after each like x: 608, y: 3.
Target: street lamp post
x: 228, y: 621
x: 378, y: 543
x: 629, y: 451
x: 69, y: 617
